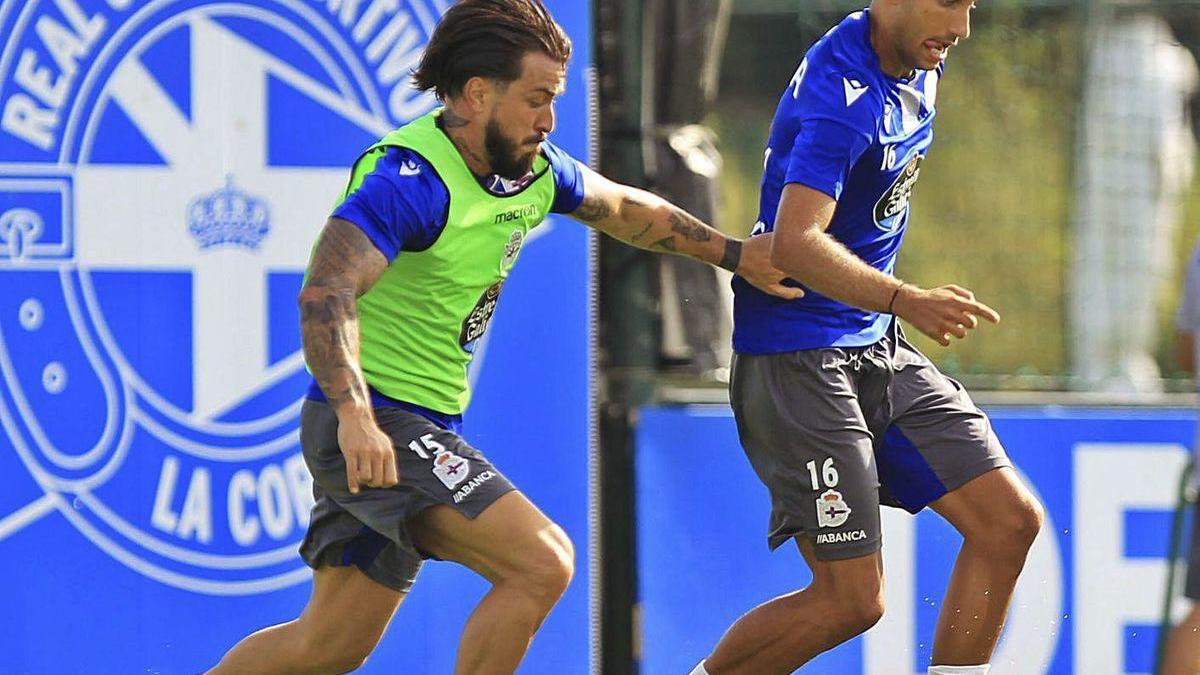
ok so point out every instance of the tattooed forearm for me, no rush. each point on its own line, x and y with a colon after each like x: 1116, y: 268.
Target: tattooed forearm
x: 690, y: 227
x: 645, y: 220
x: 329, y: 334
x: 665, y: 244
x: 344, y: 265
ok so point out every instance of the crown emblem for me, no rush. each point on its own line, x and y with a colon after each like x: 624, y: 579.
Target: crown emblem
x: 228, y: 216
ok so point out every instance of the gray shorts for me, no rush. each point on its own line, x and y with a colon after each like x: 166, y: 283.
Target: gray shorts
x: 370, y: 530
x: 834, y: 433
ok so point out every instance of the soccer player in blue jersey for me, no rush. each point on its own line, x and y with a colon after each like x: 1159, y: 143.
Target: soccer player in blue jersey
x: 836, y: 411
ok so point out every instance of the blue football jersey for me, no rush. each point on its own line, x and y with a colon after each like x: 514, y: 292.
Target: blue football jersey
x: 847, y: 129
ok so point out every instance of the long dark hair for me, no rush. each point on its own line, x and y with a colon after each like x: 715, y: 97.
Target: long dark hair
x: 487, y: 38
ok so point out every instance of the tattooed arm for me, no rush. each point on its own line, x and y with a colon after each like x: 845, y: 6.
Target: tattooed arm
x: 344, y: 265
x: 650, y: 222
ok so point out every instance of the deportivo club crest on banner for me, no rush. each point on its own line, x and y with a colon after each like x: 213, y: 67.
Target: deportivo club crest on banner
x: 165, y: 169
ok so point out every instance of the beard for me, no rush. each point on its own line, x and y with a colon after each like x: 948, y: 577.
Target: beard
x: 507, y: 162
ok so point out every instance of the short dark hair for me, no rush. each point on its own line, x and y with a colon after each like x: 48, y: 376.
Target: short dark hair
x: 487, y: 38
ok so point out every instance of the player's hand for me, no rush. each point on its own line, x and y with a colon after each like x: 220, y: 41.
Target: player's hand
x: 942, y: 313
x: 755, y: 267
x: 370, y: 456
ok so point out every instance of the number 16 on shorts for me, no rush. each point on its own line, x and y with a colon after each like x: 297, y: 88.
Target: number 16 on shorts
x: 832, y: 510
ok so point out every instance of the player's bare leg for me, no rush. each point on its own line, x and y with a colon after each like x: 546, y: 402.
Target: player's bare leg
x: 1183, y: 647
x: 998, y: 519
x: 844, y: 600
x: 529, y: 561
x: 345, y: 617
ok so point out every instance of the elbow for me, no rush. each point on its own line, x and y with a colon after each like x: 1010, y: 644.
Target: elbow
x: 309, y: 296
x: 787, y: 253
x: 778, y: 255
x: 323, y: 302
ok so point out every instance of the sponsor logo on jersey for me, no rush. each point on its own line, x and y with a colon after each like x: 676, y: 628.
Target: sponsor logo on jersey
x: 410, y: 168
x: 832, y: 510
x: 518, y: 213
x: 854, y: 89
x: 894, y: 202
x: 160, y: 188
x: 476, y: 323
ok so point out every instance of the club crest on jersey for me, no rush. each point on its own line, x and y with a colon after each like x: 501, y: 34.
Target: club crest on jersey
x: 832, y: 510
x: 894, y: 202
x: 153, y: 236
x: 451, y: 469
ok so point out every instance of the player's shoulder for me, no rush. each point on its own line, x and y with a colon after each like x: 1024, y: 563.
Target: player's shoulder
x: 557, y: 157
x: 398, y: 163
x: 406, y: 170
x: 840, y: 77
x: 400, y: 178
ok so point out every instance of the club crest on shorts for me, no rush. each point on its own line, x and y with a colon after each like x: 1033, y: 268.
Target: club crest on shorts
x: 160, y: 189
x: 832, y: 510
x: 451, y: 469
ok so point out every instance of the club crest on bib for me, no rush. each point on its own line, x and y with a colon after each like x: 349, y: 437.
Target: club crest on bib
x: 160, y: 189
x: 832, y: 510
x: 512, y: 249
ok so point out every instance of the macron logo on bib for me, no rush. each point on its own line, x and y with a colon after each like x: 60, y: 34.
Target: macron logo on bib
x: 854, y: 90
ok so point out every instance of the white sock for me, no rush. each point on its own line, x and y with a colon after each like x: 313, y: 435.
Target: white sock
x: 699, y: 670
x: 960, y: 670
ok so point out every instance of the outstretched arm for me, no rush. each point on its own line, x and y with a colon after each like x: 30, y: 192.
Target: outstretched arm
x: 345, y: 265
x: 803, y: 249
x: 650, y: 222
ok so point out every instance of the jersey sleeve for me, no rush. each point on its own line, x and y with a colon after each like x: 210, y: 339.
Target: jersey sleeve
x: 837, y: 111
x: 568, y: 179
x: 823, y: 155
x: 829, y: 85
x: 1187, y: 319
x: 398, y: 200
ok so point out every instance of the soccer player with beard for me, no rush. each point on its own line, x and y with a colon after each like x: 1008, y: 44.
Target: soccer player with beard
x: 836, y: 411
x: 402, y: 283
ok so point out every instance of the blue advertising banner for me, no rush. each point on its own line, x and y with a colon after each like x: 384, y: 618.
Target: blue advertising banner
x: 1089, y: 600
x: 165, y: 166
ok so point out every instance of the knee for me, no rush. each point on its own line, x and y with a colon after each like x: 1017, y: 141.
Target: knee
x: 546, y: 570
x: 858, y: 618
x: 1012, y: 531
x: 853, y: 606
x: 864, y: 610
